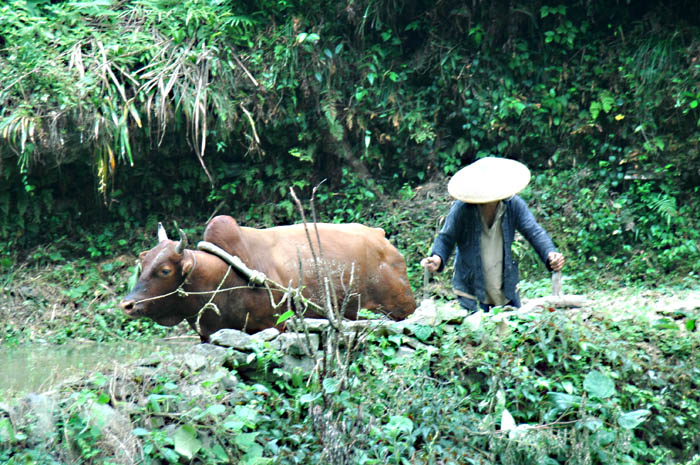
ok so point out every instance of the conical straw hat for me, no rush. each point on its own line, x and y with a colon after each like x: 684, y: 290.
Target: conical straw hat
x: 488, y: 180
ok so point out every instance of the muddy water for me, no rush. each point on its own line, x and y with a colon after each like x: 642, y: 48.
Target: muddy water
x: 37, y: 368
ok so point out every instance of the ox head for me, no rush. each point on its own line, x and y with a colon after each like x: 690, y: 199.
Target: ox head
x: 165, y: 268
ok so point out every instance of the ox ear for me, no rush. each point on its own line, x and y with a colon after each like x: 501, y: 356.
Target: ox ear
x: 187, y: 263
x: 143, y: 254
x: 162, y: 235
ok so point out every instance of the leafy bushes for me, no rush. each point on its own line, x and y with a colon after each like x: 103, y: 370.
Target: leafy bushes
x: 559, y: 387
x: 223, y: 107
x: 640, y: 224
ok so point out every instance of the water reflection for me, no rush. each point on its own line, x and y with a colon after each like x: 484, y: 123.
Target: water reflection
x: 38, y: 367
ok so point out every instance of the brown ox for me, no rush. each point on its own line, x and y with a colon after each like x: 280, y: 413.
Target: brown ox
x: 380, y: 279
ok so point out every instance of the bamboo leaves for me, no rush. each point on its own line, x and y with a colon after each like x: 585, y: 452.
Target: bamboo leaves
x: 111, y: 73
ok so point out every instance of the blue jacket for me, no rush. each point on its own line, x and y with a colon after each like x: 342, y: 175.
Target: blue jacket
x: 463, y: 228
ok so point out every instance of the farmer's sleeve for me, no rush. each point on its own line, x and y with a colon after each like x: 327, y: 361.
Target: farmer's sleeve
x: 534, y: 233
x: 447, y: 237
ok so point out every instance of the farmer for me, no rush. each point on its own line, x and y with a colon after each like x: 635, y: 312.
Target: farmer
x: 482, y: 223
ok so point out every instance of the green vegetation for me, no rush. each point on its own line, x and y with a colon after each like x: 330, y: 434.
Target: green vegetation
x: 117, y: 115
x: 54, y: 300
x: 560, y: 387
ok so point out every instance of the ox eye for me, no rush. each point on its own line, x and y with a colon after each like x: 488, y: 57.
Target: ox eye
x: 165, y: 271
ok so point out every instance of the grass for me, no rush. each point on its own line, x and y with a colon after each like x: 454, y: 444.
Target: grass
x: 71, y: 300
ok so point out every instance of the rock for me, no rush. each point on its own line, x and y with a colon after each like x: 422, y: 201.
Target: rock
x: 193, y: 391
x: 41, y: 409
x: 128, y: 408
x: 241, y: 359
x: 229, y: 382
x: 352, y: 337
x: 687, y: 305
x: 140, y: 373
x: 204, y: 357
x: 337, y: 353
x: 503, y: 322
x: 404, y: 352
x: 291, y: 363
x: 422, y: 320
x: 397, y: 327
x: 103, y: 416
x: 215, y: 355
x: 266, y: 335
x: 450, y: 314
x: 117, y: 441
x: 318, y: 325
x: 367, y: 326
x: 425, y: 314
x: 232, y: 338
x: 295, y: 343
x: 415, y: 344
x: 27, y: 292
x: 475, y: 320
x: 195, y: 362
x: 216, y: 380
x: 313, y: 325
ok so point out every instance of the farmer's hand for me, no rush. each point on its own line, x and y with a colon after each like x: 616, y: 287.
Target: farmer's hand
x: 556, y: 261
x: 431, y: 264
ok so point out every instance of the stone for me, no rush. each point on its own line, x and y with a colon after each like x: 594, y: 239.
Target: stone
x: 353, y: 337
x: 415, y: 344
x: 103, y: 416
x: 117, y: 441
x: 425, y: 314
x: 295, y: 343
x: 318, y: 325
x: 422, y: 320
x: 215, y: 355
x: 450, y: 314
x: 140, y: 373
x: 503, y: 323
x: 205, y: 357
x: 291, y: 363
x: 195, y: 362
x: 241, y: 359
x: 395, y: 327
x: 404, y: 352
x: 266, y: 335
x: 41, y: 408
x: 229, y: 382
x: 193, y: 391
x: 313, y: 325
x: 368, y: 326
x: 475, y: 320
x: 232, y: 338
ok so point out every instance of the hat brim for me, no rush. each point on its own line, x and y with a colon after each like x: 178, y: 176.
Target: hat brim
x: 488, y: 180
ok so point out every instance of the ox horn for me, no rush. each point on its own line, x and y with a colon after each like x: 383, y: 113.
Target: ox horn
x: 162, y: 235
x: 183, y: 242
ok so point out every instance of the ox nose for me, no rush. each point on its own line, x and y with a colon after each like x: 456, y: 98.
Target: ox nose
x: 127, y: 305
